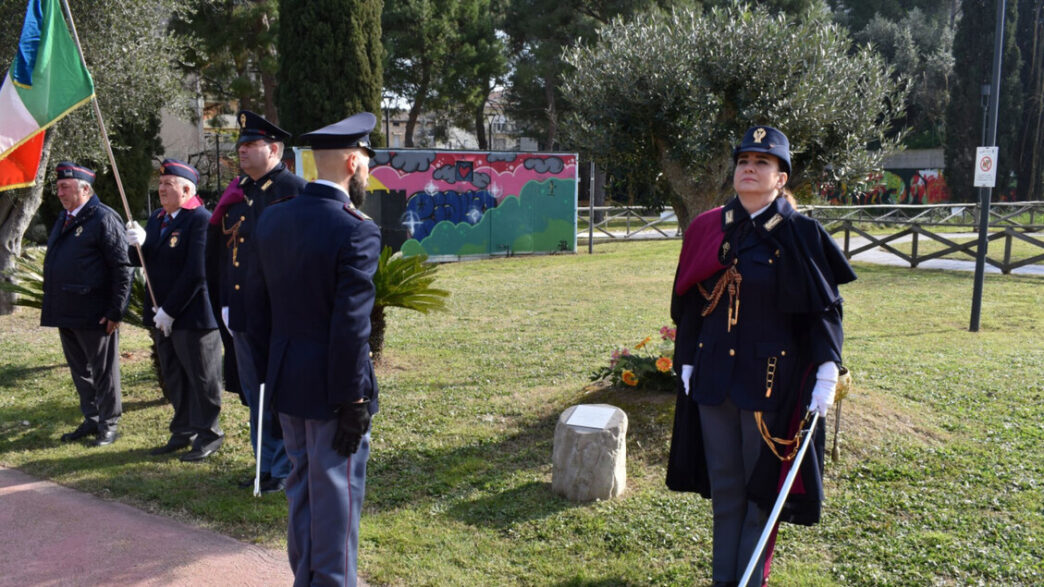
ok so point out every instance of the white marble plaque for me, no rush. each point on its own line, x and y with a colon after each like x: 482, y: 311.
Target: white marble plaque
x: 591, y: 416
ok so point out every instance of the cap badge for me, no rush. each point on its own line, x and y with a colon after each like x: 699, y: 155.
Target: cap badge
x: 758, y: 135
x: 242, y: 120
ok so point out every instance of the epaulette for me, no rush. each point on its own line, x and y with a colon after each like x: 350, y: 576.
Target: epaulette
x: 349, y: 208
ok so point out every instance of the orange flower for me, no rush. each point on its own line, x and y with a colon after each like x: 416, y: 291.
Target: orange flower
x: 629, y: 377
x: 663, y: 364
x: 643, y: 343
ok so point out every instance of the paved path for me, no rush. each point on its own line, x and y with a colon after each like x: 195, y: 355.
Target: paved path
x: 53, y: 535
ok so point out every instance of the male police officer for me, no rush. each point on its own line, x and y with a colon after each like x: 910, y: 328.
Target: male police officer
x: 184, y: 327
x: 317, y: 256
x: 265, y: 180
x: 86, y: 287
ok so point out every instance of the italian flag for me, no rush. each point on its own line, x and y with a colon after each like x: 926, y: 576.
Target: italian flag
x: 46, y: 81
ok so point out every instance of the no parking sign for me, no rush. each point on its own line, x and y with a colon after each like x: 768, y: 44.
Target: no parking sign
x: 985, y: 167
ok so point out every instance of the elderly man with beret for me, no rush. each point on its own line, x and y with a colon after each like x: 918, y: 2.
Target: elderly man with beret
x: 86, y: 288
x: 316, y: 255
x: 183, y: 325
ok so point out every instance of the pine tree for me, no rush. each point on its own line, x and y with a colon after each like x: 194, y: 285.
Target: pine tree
x: 330, y: 59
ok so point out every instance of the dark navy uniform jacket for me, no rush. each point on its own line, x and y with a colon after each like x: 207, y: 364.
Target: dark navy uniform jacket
x: 86, y: 271
x: 311, y: 322
x: 788, y: 321
x: 174, y: 259
x: 231, y: 246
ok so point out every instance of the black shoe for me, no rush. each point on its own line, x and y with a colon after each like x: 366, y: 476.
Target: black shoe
x: 273, y: 485
x: 107, y: 437
x: 201, y: 451
x: 248, y: 482
x: 85, y: 429
x: 173, y: 445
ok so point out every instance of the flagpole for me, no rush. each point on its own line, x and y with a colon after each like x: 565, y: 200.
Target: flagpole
x: 108, y: 149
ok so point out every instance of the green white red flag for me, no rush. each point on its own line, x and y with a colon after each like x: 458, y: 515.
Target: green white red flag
x: 46, y: 81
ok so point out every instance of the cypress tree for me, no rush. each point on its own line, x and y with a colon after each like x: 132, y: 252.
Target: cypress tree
x: 330, y: 60
x: 973, y: 58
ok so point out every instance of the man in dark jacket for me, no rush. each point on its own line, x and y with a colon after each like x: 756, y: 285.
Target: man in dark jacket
x: 230, y: 253
x: 317, y: 256
x: 86, y: 286
x: 183, y: 323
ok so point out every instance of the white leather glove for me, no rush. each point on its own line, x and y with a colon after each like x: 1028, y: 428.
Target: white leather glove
x: 135, y: 234
x: 826, y: 386
x: 686, y: 374
x: 224, y: 315
x: 163, y: 321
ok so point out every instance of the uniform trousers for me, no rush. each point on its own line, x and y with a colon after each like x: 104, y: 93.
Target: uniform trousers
x: 733, y: 444
x: 325, y: 493
x: 94, y: 360
x: 191, y: 363
x: 273, y: 454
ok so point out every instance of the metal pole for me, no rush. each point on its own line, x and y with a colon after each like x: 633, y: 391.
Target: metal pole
x: 590, y: 212
x: 783, y: 492
x: 108, y: 149
x: 986, y: 193
x: 217, y: 156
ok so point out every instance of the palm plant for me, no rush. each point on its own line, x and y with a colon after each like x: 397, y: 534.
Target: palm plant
x: 402, y: 282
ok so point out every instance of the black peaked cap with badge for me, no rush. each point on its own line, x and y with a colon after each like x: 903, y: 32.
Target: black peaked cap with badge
x: 765, y: 139
x: 351, y: 132
x: 254, y: 127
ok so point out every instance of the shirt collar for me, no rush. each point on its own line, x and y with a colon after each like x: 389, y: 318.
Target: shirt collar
x: 332, y: 184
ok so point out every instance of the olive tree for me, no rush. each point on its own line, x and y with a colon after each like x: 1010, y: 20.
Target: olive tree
x: 679, y: 88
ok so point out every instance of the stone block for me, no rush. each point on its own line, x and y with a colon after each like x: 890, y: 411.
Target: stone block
x: 589, y: 457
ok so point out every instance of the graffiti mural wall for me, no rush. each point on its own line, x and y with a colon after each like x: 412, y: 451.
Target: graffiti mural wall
x: 450, y: 204
x: 895, y: 186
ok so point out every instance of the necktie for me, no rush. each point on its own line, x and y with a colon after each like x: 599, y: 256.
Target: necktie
x: 68, y: 220
x: 165, y: 223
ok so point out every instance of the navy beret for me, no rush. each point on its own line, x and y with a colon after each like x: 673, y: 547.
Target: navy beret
x: 180, y: 169
x: 765, y: 139
x: 70, y: 170
x: 253, y: 127
x: 353, y: 131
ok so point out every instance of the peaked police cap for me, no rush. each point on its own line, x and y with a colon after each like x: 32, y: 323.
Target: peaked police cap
x: 765, y: 139
x: 353, y: 131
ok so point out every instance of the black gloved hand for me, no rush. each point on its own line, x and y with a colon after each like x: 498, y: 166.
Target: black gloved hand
x: 353, y: 421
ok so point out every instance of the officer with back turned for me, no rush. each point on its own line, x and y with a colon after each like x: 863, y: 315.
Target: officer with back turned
x: 265, y: 179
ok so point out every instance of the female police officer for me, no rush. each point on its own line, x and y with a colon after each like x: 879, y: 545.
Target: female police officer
x: 759, y: 341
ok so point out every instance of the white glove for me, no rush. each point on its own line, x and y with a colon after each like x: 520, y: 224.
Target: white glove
x: 135, y: 234
x: 224, y: 315
x: 826, y: 386
x: 686, y: 375
x: 163, y: 321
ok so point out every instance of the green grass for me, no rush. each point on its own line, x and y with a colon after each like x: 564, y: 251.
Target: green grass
x: 941, y: 478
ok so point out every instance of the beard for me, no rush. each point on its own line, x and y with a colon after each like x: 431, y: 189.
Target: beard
x: 357, y: 189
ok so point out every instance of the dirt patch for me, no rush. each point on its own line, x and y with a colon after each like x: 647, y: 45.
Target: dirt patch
x: 870, y: 421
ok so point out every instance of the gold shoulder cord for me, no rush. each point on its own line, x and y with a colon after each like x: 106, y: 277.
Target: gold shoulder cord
x: 730, y: 281
x: 233, y: 239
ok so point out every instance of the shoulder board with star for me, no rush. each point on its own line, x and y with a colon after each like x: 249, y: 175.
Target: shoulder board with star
x: 349, y: 208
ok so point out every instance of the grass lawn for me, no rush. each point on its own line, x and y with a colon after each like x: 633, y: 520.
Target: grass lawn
x: 1020, y: 250
x: 940, y: 482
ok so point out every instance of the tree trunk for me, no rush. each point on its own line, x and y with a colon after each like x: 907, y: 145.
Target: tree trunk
x: 484, y: 142
x: 552, y: 115
x: 417, y: 107
x: 690, y: 197
x: 16, y: 212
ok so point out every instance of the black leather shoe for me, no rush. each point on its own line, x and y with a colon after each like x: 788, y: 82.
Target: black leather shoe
x: 106, y: 438
x: 85, y: 429
x: 273, y: 485
x: 173, y: 445
x: 248, y: 482
x: 197, y: 454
